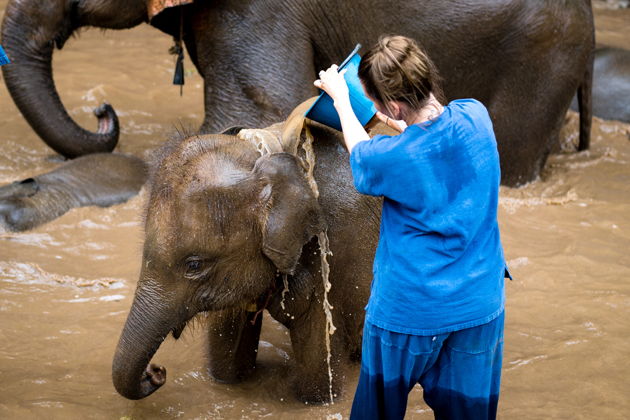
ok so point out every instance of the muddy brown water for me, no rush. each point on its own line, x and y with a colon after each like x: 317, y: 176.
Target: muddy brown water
x: 66, y: 287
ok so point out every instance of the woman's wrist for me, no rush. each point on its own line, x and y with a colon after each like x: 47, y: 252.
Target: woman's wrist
x: 342, y: 104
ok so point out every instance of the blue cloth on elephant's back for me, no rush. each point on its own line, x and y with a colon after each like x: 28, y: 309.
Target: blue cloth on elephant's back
x: 439, y: 265
x: 3, y: 57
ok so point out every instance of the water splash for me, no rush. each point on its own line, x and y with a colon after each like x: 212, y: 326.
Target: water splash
x: 285, y: 281
x: 324, y: 251
x: 512, y: 204
x: 32, y: 273
x: 308, y: 161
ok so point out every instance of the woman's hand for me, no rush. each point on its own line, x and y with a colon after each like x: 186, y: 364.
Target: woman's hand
x: 334, y: 84
x: 398, y: 125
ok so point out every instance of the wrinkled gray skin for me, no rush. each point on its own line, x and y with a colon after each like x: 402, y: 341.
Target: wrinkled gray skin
x: 611, y: 84
x: 524, y: 59
x: 222, y: 226
x: 95, y: 180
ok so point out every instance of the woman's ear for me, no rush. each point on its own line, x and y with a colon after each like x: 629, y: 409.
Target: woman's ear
x: 395, y: 109
x: 290, y: 214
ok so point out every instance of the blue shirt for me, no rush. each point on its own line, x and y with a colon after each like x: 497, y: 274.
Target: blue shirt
x: 439, y: 265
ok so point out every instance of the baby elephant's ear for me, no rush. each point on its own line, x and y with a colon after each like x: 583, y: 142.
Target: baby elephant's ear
x: 290, y: 214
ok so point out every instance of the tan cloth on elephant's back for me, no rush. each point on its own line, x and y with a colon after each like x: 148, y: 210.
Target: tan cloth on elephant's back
x: 154, y: 7
x: 280, y: 137
x: 287, y: 137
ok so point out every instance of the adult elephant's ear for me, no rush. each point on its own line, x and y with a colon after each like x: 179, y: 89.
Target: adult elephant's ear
x: 289, y: 212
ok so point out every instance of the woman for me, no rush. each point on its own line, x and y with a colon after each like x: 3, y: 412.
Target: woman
x: 435, y: 314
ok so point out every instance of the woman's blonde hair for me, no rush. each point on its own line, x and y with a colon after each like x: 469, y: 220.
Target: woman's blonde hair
x: 398, y: 69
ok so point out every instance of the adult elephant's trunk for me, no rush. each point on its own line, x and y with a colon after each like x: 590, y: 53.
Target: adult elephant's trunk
x: 146, y: 328
x: 29, y: 45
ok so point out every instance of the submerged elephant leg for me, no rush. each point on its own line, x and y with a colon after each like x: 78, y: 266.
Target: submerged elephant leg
x: 233, y: 336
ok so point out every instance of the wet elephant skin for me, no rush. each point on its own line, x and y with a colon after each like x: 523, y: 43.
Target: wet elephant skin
x: 259, y: 59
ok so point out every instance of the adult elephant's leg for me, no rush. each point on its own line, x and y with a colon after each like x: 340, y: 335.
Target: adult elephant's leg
x: 527, y: 130
x: 523, y: 149
x: 529, y: 110
x: 233, y: 336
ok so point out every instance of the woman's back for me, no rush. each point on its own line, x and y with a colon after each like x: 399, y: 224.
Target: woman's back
x: 439, y: 240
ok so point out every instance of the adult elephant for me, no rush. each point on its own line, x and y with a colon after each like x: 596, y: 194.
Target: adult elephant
x: 224, y: 226
x: 524, y: 59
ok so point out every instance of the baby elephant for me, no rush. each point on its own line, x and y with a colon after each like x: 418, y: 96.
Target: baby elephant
x: 233, y: 225
x: 611, y: 84
x: 101, y: 179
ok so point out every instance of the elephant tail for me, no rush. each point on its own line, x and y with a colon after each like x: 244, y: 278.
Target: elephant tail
x: 585, y: 99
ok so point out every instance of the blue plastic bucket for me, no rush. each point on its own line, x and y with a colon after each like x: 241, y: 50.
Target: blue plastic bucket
x: 323, y: 110
x: 3, y: 57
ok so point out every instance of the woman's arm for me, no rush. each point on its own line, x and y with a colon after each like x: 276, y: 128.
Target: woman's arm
x: 398, y: 125
x: 334, y: 84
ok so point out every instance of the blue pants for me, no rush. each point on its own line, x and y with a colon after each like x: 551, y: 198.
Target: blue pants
x: 460, y: 372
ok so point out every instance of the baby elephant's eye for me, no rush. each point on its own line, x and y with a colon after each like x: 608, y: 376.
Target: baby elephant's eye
x: 193, y: 265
